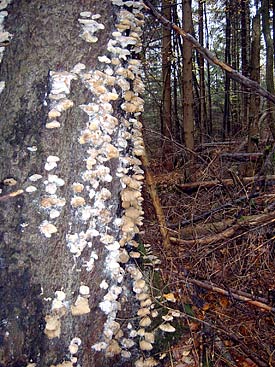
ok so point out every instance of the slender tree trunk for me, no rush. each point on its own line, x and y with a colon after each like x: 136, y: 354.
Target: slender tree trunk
x: 235, y: 61
x: 245, y: 42
x: 273, y: 29
x: 177, y: 95
x: 209, y: 96
x: 227, y: 82
x: 254, y: 110
x: 188, y: 113
x: 204, y: 126
x: 70, y: 184
x: 167, y: 146
x: 269, y: 63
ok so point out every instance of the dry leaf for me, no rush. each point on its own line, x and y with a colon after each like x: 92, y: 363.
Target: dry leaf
x: 170, y: 297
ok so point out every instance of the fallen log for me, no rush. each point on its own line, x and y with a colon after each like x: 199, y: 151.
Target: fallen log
x: 241, y: 157
x: 204, y: 229
x: 192, y: 186
x: 204, y: 215
x: 250, y: 222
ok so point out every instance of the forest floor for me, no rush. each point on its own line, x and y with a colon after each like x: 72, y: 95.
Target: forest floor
x: 220, y: 264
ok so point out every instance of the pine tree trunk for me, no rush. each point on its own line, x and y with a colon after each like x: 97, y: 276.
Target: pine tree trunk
x: 245, y: 42
x: 227, y: 83
x: 269, y: 71
x: 204, y: 125
x: 209, y: 96
x: 167, y: 146
x: 188, y: 113
x: 254, y: 105
x: 70, y: 183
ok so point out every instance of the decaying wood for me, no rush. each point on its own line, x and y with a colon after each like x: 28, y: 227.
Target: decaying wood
x: 156, y: 202
x: 241, y: 157
x: 204, y: 229
x: 204, y: 215
x: 217, y: 143
x: 233, y: 294
x: 211, y: 58
x: 262, y: 219
x: 227, y: 182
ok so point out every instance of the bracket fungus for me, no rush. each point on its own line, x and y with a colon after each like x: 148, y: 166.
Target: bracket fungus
x: 81, y: 306
x: 47, y: 229
x: 53, y: 326
x: 90, y: 27
x: 167, y: 327
x: 112, y: 143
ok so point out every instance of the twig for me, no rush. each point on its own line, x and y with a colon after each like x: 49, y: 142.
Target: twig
x: 233, y: 294
x: 11, y: 195
x: 228, y: 182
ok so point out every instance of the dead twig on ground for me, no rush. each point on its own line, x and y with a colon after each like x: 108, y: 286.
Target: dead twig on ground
x: 192, y: 186
x: 233, y: 294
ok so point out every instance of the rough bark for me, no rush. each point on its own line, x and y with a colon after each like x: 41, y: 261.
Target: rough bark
x: 37, y: 259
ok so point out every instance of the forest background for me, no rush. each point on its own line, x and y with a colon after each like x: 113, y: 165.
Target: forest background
x: 210, y: 140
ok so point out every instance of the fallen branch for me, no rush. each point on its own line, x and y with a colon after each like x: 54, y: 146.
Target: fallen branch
x: 254, y: 221
x: 156, y: 203
x: 204, y: 229
x: 204, y: 215
x: 227, y: 182
x: 241, y: 157
x: 211, y: 58
x: 233, y: 294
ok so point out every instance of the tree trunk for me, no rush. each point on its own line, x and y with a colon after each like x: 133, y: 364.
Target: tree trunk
x: 269, y: 72
x: 235, y: 61
x: 227, y: 84
x: 209, y: 96
x: 254, y: 109
x: 204, y: 125
x: 167, y: 147
x: 177, y: 81
x: 245, y: 42
x: 188, y: 113
x: 70, y: 184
